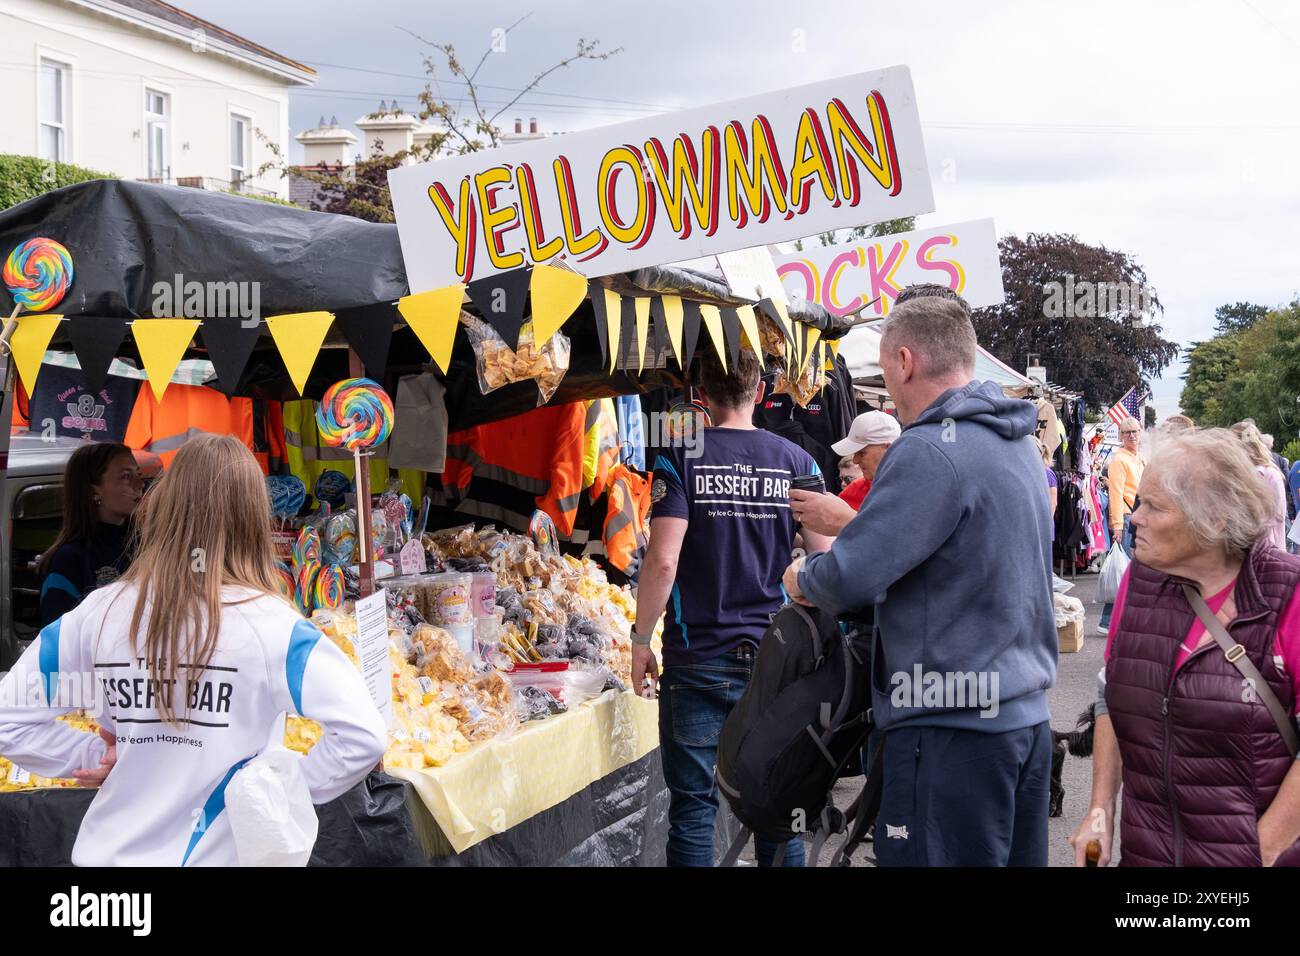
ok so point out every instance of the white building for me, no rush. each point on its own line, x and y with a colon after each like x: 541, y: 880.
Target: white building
x: 142, y: 90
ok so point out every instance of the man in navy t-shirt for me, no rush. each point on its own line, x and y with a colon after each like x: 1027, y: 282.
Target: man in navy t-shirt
x: 721, y: 532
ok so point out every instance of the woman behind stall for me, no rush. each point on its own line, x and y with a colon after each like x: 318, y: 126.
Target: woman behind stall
x: 101, y: 489
x: 191, y: 657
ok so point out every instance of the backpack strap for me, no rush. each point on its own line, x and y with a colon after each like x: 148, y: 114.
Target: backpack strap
x: 812, y: 628
x: 864, y: 808
x: 737, y: 845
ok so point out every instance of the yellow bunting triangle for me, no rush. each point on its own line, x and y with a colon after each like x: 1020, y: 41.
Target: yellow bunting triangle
x: 814, y: 334
x: 614, y: 323
x: 835, y: 349
x: 433, y: 317
x: 713, y: 322
x: 162, y: 344
x: 673, y: 319
x: 30, y: 340
x: 555, y: 294
x: 749, y: 323
x: 641, y: 306
x: 299, y: 337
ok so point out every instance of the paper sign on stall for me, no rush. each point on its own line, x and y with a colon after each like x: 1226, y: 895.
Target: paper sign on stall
x: 751, y: 273
x: 768, y: 168
x: 1294, y: 535
x: 845, y: 276
x: 372, y: 649
x: 411, y: 558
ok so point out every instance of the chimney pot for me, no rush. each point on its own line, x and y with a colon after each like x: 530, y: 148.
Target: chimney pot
x: 532, y: 125
x: 519, y: 125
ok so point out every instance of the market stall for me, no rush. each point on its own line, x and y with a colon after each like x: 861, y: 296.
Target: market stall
x: 484, y: 628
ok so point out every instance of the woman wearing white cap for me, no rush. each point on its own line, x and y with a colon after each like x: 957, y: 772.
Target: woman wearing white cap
x: 868, y: 439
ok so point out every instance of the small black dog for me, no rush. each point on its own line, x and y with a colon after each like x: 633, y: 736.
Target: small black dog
x: 1077, y: 742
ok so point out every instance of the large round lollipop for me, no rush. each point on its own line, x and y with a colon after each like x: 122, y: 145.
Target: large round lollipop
x: 355, y: 413
x: 38, y: 274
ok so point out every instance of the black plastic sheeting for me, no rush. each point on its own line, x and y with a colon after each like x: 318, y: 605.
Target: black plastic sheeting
x: 125, y: 236
x: 620, y: 820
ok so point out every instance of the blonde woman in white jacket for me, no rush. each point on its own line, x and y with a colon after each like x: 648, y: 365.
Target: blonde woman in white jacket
x: 186, y: 662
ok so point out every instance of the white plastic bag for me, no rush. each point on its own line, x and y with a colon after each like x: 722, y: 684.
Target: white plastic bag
x: 271, y: 813
x: 1112, y: 573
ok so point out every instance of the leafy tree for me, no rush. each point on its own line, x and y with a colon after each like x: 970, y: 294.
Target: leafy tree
x: 887, y: 228
x: 1209, y: 367
x: 1149, y: 417
x: 1237, y: 317
x: 1101, y: 353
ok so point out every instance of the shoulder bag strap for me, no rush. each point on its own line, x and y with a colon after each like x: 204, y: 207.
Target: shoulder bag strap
x: 1237, y: 657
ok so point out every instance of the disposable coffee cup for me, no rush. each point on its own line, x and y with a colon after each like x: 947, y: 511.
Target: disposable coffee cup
x: 807, y: 483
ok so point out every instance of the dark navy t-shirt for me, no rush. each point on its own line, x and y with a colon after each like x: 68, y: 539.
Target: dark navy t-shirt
x: 735, y: 496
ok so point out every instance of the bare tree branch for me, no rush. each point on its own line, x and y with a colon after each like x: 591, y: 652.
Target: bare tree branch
x: 586, y: 51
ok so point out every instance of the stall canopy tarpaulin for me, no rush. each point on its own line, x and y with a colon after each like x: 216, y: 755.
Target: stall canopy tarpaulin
x: 144, y: 250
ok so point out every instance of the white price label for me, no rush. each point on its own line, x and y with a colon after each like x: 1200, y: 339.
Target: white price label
x: 18, y: 776
x: 426, y: 684
x: 423, y: 736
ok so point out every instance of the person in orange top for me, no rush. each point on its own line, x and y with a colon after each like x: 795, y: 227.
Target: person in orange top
x: 185, y: 411
x: 1123, y: 473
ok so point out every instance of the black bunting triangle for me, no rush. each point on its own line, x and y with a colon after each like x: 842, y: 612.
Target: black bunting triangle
x: 500, y: 300
x: 596, y: 296
x: 690, y: 331
x: 731, y: 333
x: 369, y: 330
x: 95, y: 341
x: 229, y: 342
x: 768, y: 308
x: 659, y: 330
x: 627, y: 343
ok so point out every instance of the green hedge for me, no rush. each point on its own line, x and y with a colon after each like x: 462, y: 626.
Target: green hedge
x: 26, y: 177
x: 1291, y: 451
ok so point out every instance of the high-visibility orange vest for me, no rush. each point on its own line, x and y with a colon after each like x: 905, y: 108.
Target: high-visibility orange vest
x: 627, y: 522
x: 504, y: 470
x: 600, y: 445
x: 185, y: 411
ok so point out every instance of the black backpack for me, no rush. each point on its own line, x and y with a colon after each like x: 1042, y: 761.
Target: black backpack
x: 799, y: 727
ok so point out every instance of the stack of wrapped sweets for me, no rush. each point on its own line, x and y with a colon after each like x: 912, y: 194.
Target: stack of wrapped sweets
x: 440, y: 705
x: 549, y: 607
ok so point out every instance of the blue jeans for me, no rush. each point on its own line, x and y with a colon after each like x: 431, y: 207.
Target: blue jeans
x: 964, y: 798
x: 694, y: 701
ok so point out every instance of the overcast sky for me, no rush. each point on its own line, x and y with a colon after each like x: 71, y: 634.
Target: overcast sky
x: 1163, y: 128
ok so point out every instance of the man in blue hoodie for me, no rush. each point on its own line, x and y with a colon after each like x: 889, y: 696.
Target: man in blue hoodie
x: 952, y: 547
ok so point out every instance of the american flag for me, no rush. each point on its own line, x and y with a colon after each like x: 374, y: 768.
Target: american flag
x: 1129, y: 406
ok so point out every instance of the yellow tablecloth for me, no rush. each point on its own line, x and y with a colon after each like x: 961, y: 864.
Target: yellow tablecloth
x: 507, y: 780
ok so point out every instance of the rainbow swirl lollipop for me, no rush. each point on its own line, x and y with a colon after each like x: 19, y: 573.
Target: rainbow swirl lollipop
x: 286, y: 579
x: 38, y: 274
x: 328, y: 590
x: 355, y: 413
x: 306, y: 585
x: 307, y: 547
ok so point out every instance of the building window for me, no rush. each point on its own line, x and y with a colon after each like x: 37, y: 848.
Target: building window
x: 157, y: 116
x: 240, y: 150
x: 54, y: 110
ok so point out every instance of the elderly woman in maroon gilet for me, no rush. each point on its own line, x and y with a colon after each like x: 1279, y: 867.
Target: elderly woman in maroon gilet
x: 1208, y: 777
